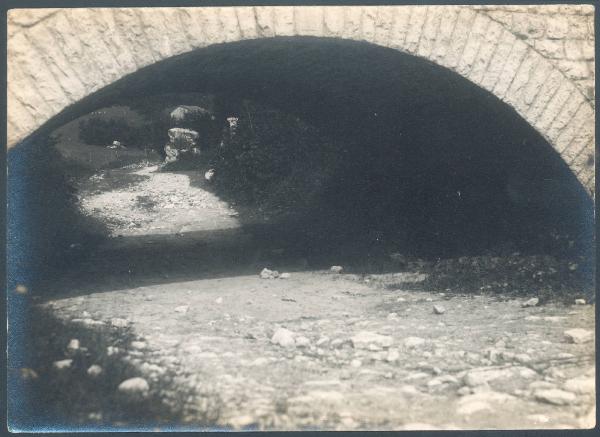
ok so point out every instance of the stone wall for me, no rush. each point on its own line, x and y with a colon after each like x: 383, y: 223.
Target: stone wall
x: 537, y: 59
x: 562, y: 34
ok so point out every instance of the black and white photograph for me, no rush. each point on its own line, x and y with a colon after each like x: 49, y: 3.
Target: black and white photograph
x: 335, y: 217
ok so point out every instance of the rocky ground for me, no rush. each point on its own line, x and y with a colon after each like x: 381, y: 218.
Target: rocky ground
x: 178, y: 328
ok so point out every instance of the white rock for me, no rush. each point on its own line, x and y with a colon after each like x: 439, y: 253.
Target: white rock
x: 356, y: 363
x: 285, y: 276
x: 112, y: 350
x: 139, y: 344
x: 268, y: 274
x: 581, y: 385
x: 541, y: 385
x: 392, y: 316
x: 392, y: 356
x: 302, y: 341
x: 538, y: 418
x: 62, y: 364
x: 94, y: 370
x: 579, y: 301
x: 134, y: 387
x: 555, y: 396
x: 464, y: 391
x: 119, y: 323
x: 283, y: 337
x: 411, y: 342
x: 321, y: 341
x: 363, y: 339
x: 476, y: 377
x: 482, y: 400
x: 531, y: 302
x: 527, y: 373
x: 338, y: 343
x: 336, y: 269
x: 73, y: 346
x: 219, y: 300
x: 439, y: 309
x: 209, y: 175
x: 409, y: 390
x: 523, y: 358
x: 182, y: 309
x: 579, y: 335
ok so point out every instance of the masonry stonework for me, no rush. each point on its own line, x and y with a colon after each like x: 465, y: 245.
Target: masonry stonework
x: 537, y: 59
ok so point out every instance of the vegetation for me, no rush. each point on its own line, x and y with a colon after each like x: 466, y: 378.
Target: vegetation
x: 272, y: 160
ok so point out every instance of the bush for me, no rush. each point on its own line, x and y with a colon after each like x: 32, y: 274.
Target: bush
x: 273, y: 160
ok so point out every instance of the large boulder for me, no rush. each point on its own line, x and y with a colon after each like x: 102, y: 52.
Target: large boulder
x: 184, y: 113
x: 183, y: 139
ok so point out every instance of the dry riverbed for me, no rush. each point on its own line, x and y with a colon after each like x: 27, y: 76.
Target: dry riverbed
x: 185, y: 333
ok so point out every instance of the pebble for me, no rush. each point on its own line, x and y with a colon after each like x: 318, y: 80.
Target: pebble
x: 363, y: 339
x: 283, y: 337
x: 411, y: 342
x: 392, y: 356
x: 579, y: 335
x: 94, y: 370
x: 392, y: 316
x: 527, y: 373
x: 580, y: 385
x: 476, y: 377
x: 579, y: 301
x: 356, y: 363
x: 336, y: 269
x: 134, y: 387
x: 112, y: 350
x: 538, y: 418
x: 438, y: 309
x: 523, y: 358
x: 338, y: 343
x: 219, y: 300
x: 409, y: 390
x: 541, y: 385
x: 27, y: 373
x: 119, y: 323
x: 73, y: 347
x: 182, y: 309
x: 139, y: 344
x: 464, y: 390
x: 285, y: 276
x: 62, y: 364
x: 531, y: 302
x: 321, y: 341
x: 302, y: 341
x: 555, y: 396
x: 268, y: 274
x: 482, y: 400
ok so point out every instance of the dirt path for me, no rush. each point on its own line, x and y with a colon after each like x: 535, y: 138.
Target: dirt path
x: 321, y: 350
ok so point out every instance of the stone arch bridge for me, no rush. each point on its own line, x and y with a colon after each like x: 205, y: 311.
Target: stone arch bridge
x: 537, y: 59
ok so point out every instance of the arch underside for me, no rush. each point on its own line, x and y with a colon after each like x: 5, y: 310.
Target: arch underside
x: 58, y: 57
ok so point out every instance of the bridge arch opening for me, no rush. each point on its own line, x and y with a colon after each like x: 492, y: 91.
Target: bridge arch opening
x: 417, y: 150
